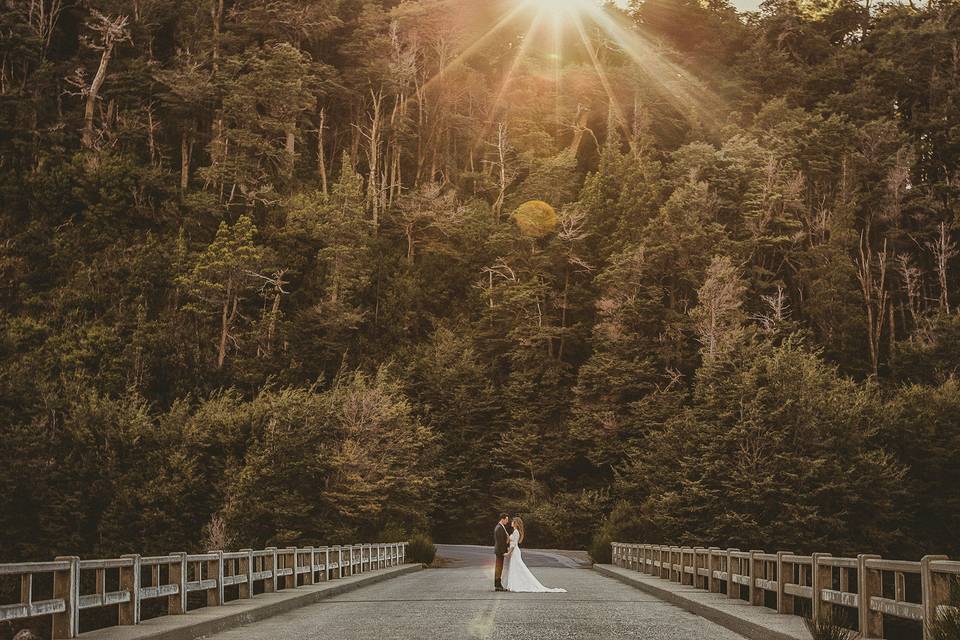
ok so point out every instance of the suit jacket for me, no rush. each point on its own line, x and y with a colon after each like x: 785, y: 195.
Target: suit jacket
x: 500, y: 540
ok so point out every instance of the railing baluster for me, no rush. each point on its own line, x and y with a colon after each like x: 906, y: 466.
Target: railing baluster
x: 26, y: 589
x: 215, y: 572
x: 822, y: 578
x: 733, y: 587
x: 66, y: 586
x: 129, y: 612
x: 936, y: 591
x: 177, y: 602
x: 870, y: 584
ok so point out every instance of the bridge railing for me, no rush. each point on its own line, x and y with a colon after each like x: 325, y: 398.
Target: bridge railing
x: 128, y: 582
x: 867, y: 586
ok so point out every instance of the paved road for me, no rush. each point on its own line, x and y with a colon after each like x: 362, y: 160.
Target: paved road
x: 459, y: 604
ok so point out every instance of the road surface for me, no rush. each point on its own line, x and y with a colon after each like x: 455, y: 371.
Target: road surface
x: 459, y: 603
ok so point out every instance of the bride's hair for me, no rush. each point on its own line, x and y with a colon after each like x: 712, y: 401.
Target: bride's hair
x: 518, y: 525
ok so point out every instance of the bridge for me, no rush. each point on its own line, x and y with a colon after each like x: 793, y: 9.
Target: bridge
x: 374, y: 591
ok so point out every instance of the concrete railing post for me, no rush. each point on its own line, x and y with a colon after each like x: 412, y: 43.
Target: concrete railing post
x: 290, y: 562
x: 936, y: 592
x: 339, y: 561
x: 713, y: 565
x: 215, y: 572
x: 326, y: 564
x: 821, y: 577
x: 733, y: 587
x: 66, y: 587
x: 756, y: 570
x: 129, y: 612
x: 312, y: 559
x: 270, y: 583
x: 701, y: 564
x: 869, y: 584
x: 784, y: 575
x: 247, y: 566
x: 177, y: 602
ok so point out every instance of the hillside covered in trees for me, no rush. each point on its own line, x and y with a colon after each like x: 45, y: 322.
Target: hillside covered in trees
x: 263, y: 280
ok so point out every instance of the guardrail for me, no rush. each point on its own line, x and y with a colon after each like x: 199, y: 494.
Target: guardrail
x: 868, y: 584
x: 138, y: 579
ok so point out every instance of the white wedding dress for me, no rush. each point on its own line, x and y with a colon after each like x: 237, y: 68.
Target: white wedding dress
x: 516, y: 575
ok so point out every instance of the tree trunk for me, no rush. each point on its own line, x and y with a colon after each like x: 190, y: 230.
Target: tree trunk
x: 943, y: 251
x: 186, y: 151
x: 151, y: 138
x: 291, y: 149
x: 93, y: 94
x: 373, y: 184
x: 226, y: 321
x: 875, y: 296
x: 216, y: 15
x: 411, y: 243
x: 224, y: 331
x: 502, y: 165
x: 321, y: 152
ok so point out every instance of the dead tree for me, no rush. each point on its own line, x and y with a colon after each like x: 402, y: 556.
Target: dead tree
x: 944, y: 250
x: 108, y: 33
x: 873, y: 284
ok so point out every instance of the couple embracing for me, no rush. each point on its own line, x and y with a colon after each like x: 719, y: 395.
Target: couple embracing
x: 511, y: 573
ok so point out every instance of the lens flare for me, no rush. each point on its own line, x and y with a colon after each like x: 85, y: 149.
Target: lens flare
x: 559, y: 6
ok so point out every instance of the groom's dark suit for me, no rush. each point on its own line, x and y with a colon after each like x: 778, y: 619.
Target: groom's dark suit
x: 500, y: 545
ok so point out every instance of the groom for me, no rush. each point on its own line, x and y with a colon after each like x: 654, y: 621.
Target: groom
x: 500, y: 543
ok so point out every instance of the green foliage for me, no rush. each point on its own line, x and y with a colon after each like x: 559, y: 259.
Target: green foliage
x: 284, y: 296
x: 421, y: 549
x: 357, y: 441
x: 757, y: 454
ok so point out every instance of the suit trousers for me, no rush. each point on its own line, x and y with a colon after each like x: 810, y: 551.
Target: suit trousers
x: 498, y: 571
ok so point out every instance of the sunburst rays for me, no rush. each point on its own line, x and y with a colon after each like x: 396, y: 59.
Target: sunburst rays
x: 671, y: 82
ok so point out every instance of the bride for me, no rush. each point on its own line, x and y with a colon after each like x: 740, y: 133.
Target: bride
x: 516, y: 575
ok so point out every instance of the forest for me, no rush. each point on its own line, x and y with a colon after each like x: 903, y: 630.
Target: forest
x: 321, y: 271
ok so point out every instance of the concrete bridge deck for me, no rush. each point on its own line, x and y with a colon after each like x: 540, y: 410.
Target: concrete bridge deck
x: 458, y: 603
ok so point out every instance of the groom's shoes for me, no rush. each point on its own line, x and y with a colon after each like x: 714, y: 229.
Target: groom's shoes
x: 499, y: 589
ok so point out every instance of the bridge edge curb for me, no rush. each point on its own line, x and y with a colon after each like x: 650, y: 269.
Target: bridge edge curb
x: 739, y: 626
x: 208, y: 626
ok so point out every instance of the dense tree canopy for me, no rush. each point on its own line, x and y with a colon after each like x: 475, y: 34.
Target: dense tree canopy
x: 267, y: 274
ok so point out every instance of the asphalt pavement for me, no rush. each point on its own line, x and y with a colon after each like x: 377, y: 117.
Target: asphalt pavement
x: 458, y: 603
